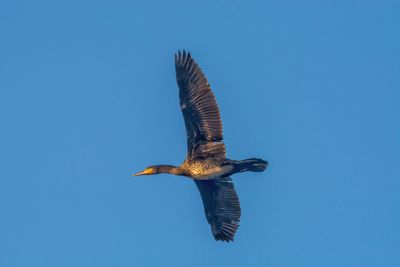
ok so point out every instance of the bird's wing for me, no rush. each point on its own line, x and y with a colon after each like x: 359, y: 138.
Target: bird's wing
x: 199, y: 108
x: 221, y: 206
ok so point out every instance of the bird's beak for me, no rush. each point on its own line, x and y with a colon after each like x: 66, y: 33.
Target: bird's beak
x: 142, y: 173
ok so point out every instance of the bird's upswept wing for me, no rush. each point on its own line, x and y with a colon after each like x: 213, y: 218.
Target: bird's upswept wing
x: 221, y: 206
x: 199, y: 108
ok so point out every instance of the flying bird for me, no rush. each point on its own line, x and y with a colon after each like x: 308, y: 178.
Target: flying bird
x: 206, y: 162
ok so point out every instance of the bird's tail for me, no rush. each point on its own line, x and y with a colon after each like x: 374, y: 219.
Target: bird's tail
x: 252, y: 165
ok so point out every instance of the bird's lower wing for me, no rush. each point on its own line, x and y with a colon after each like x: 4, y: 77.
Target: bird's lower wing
x: 221, y: 206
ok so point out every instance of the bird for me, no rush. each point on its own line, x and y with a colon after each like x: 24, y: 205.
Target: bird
x: 206, y: 162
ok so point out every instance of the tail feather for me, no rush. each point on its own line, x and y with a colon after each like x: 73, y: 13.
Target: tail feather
x: 252, y: 165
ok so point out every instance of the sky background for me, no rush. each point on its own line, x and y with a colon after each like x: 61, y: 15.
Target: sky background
x: 88, y: 96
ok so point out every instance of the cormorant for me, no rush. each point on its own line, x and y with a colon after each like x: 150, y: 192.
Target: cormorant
x: 206, y: 161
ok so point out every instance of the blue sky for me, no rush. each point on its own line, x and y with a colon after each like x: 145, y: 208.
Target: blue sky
x: 88, y: 96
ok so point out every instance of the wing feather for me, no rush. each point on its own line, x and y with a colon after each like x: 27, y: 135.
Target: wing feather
x: 199, y: 108
x: 221, y: 206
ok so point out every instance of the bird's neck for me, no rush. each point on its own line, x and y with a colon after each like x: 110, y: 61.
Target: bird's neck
x: 170, y: 169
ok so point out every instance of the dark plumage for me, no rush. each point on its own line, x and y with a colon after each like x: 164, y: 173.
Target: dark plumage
x: 206, y: 160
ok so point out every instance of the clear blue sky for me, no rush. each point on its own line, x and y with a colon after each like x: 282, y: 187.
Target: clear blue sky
x: 88, y: 96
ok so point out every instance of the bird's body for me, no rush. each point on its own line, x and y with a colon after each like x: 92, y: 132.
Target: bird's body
x: 207, y: 169
x: 206, y: 161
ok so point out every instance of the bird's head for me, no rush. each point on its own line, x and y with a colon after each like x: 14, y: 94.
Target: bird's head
x: 155, y: 169
x: 148, y: 171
